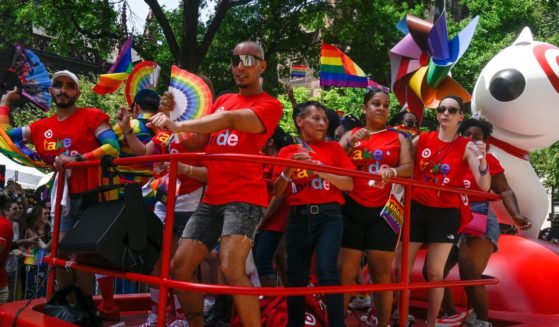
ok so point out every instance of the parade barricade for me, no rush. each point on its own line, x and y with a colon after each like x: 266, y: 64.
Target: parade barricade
x: 164, y: 280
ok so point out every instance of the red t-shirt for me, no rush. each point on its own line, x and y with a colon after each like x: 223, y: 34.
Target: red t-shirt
x: 469, y: 181
x: 71, y: 136
x: 382, y: 149
x: 308, y: 188
x: 240, y: 181
x: 439, y: 163
x: 165, y: 142
x: 6, y: 238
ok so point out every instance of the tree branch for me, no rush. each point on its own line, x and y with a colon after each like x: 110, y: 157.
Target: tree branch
x: 94, y: 36
x: 220, y: 13
x: 189, y: 55
x: 165, y: 27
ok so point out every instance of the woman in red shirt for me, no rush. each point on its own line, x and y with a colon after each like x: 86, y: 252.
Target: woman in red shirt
x: 473, y: 250
x: 386, y: 152
x: 441, y: 158
x: 315, y: 222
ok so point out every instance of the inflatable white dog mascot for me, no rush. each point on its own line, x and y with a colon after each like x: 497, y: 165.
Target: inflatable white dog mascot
x: 518, y: 92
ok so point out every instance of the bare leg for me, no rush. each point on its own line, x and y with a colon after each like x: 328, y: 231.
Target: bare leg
x: 380, y: 264
x: 187, y: 257
x: 233, y: 254
x: 448, y: 303
x: 349, y: 262
x: 473, y: 258
x: 437, y: 253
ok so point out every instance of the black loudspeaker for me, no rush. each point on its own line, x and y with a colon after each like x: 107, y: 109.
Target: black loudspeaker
x: 119, y: 234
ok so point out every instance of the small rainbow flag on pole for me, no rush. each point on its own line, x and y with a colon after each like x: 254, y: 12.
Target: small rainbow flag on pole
x: 119, y: 71
x: 298, y: 71
x: 337, y: 69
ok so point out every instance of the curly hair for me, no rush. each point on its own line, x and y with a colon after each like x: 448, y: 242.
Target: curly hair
x: 483, y: 124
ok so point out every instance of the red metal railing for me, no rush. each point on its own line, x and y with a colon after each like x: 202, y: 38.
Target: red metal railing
x: 165, y: 282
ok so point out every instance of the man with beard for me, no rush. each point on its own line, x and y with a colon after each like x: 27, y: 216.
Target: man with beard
x: 236, y: 192
x: 71, y: 134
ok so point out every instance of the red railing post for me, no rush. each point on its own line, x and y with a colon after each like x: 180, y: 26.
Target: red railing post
x: 56, y: 229
x: 404, y: 258
x: 167, y: 242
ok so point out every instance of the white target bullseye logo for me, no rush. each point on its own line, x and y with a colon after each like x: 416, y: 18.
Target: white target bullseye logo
x: 426, y: 153
x: 48, y: 134
x: 310, y: 320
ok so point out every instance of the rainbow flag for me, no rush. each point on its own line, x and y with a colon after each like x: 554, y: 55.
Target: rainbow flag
x: 337, y: 69
x: 119, y: 71
x: 298, y: 71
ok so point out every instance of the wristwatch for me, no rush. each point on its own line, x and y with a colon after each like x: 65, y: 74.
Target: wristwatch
x: 78, y: 157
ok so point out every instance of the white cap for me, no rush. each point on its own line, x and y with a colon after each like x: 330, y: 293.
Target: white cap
x: 68, y: 74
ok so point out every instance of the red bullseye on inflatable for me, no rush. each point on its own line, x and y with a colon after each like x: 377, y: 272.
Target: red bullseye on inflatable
x: 540, y: 52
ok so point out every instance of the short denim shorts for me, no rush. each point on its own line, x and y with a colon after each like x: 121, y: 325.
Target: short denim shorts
x: 210, y: 222
x: 493, y: 231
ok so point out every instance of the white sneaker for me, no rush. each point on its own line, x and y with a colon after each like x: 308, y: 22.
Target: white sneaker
x: 471, y: 319
x: 360, y: 302
x: 179, y: 323
x: 151, y: 321
x: 209, y: 302
x: 481, y: 323
x: 370, y: 319
x: 396, y: 318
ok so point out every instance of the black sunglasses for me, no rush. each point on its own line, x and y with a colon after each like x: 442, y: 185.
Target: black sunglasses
x: 247, y: 60
x: 451, y: 110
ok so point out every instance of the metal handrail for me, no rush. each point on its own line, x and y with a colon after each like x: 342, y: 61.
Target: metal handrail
x: 165, y: 282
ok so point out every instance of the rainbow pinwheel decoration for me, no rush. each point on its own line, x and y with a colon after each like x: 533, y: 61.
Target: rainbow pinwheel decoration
x: 422, y: 60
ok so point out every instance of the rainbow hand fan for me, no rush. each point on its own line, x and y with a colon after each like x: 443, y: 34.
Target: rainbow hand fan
x: 34, y: 77
x: 193, y: 97
x: 143, y: 76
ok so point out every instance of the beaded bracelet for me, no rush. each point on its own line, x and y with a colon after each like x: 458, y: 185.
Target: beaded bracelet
x: 484, y: 171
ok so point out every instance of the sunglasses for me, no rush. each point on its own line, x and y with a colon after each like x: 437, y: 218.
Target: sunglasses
x: 247, y: 60
x: 451, y: 110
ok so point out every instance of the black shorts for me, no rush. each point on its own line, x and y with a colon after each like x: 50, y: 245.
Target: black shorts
x: 433, y: 225
x: 365, y: 229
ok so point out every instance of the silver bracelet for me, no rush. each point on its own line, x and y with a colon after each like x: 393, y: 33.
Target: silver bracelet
x: 285, y: 178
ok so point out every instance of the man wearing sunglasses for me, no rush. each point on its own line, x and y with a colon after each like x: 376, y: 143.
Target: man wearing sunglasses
x: 236, y: 193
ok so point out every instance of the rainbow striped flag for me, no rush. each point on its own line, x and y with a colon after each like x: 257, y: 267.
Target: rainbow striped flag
x: 298, y: 71
x: 337, y: 69
x: 119, y: 71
